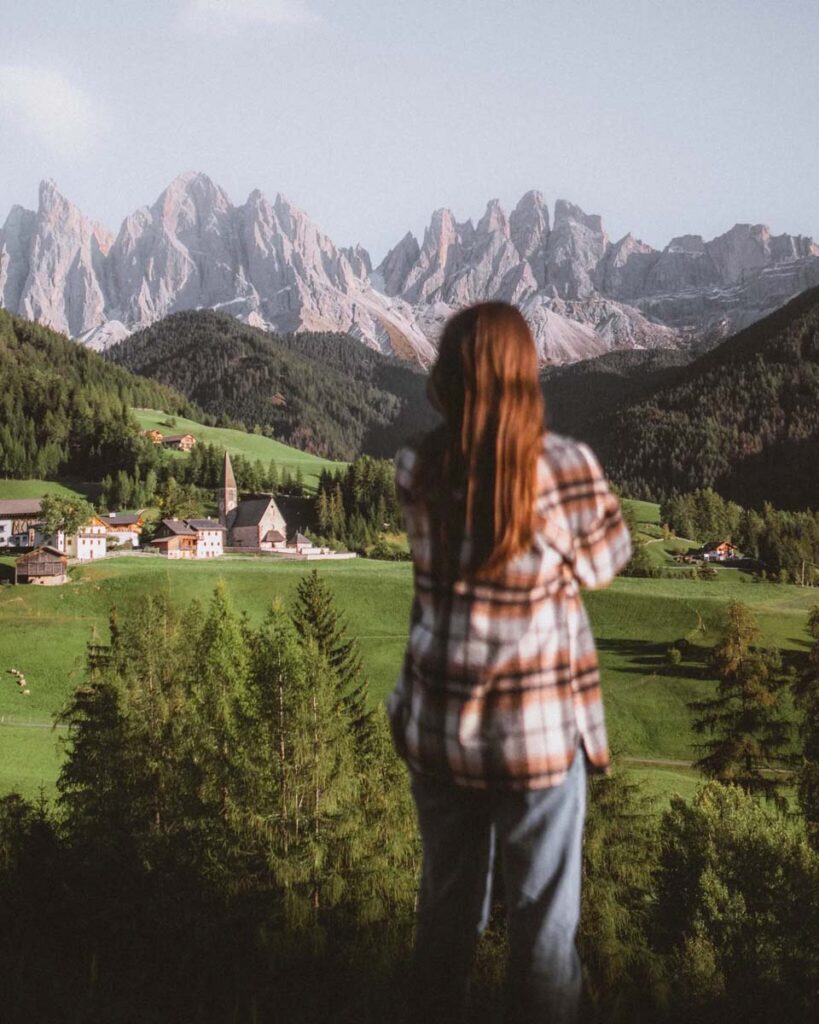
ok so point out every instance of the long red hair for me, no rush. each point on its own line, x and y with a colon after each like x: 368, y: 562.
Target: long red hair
x: 477, y: 474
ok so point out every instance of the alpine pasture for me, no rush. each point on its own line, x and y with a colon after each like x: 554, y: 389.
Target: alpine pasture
x: 44, y: 632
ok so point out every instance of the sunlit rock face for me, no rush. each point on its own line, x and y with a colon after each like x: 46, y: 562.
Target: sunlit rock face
x: 269, y: 264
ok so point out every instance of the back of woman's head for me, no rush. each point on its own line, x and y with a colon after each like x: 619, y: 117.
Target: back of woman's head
x: 478, y: 475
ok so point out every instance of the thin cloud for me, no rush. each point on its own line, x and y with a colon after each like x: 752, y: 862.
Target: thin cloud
x: 233, y: 16
x: 46, y: 105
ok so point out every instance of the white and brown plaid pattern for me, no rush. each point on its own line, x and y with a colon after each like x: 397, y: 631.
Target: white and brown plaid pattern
x: 500, y: 680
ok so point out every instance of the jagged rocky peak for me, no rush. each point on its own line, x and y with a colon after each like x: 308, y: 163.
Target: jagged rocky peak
x: 392, y: 271
x: 15, y: 246
x: 577, y: 244
x: 494, y: 220
x: 359, y: 260
x: 529, y: 231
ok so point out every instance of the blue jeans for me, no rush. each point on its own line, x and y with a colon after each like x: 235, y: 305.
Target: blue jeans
x: 538, y: 836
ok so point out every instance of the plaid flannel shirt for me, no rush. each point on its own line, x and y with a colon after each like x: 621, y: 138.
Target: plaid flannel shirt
x: 499, y: 690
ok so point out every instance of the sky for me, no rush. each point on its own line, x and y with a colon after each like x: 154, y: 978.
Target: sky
x: 666, y: 117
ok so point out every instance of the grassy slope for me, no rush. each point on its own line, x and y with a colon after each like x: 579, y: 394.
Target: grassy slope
x: 32, y: 489
x: 252, y: 446
x: 43, y: 632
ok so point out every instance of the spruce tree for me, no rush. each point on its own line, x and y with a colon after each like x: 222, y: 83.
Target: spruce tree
x: 317, y: 619
x: 216, y: 693
x: 302, y: 800
x: 745, y: 719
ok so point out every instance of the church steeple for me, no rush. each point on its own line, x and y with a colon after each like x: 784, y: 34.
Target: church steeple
x: 229, y: 497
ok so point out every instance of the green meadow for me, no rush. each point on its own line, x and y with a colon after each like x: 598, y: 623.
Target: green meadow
x: 18, y: 489
x: 237, y: 442
x: 43, y: 633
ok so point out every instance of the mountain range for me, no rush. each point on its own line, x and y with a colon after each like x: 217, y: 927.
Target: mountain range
x: 269, y: 265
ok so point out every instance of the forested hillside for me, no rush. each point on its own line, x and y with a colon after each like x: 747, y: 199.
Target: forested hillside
x: 324, y: 393
x: 743, y: 419
x: 64, y: 410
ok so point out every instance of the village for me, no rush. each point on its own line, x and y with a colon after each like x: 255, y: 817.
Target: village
x: 252, y: 524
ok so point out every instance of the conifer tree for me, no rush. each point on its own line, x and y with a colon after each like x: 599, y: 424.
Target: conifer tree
x: 302, y: 804
x: 745, y: 719
x: 807, y: 701
x: 316, y: 618
x: 216, y: 693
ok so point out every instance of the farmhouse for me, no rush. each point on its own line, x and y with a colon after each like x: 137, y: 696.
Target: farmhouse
x: 189, y: 538
x: 20, y: 523
x: 182, y: 442
x: 122, y: 528
x: 45, y: 566
x: 153, y: 435
x: 210, y: 535
x: 175, y: 539
x: 720, y: 551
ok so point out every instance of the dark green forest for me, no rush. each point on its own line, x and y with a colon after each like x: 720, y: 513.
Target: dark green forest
x: 65, y: 411
x: 742, y: 419
x: 323, y: 393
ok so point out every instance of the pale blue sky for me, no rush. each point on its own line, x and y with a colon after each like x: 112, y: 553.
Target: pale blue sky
x: 665, y: 117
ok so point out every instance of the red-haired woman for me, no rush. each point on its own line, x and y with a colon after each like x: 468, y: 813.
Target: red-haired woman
x: 498, y: 706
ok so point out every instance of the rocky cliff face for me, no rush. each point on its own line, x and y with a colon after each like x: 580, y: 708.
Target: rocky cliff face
x: 270, y: 265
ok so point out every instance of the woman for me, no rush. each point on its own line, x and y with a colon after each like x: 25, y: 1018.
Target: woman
x: 498, y: 705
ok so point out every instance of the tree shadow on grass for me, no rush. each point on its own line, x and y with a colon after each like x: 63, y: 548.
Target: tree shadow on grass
x: 643, y: 657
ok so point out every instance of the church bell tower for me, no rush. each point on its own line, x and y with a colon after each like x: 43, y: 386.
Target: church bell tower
x: 229, y: 497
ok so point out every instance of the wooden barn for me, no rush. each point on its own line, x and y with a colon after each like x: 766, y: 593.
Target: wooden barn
x: 46, y: 566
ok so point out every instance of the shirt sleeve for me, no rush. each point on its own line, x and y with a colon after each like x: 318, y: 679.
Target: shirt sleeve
x: 602, y: 542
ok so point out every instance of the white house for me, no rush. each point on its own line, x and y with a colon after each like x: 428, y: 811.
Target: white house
x: 210, y: 537
x: 89, y: 543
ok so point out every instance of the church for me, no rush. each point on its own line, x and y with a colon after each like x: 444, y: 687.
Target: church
x: 255, y: 523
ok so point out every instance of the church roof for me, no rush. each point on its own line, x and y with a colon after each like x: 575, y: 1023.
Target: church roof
x: 251, y: 511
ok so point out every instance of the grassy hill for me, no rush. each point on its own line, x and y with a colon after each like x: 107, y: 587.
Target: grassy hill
x: 43, y: 632
x: 237, y: 442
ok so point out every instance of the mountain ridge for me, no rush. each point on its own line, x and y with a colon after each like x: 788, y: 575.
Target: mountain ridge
x: 269, y: 265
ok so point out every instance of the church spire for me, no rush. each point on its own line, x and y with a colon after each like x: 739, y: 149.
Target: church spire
x: 229, y: 497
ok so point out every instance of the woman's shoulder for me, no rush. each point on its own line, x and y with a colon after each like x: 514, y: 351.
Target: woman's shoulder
x: 564, y: 453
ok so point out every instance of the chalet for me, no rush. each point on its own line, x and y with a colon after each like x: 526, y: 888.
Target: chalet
x: 89, y: 542
x: 123, y: 528
x: 154, y: 435
x: 720, y: 551
x: 20, y: 525
x: 45, y: 566
x: 175, y: 539
x: 182, y: 442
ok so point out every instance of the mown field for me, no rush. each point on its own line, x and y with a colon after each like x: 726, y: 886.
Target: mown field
x: 43, y: 632
x: 252, y: 446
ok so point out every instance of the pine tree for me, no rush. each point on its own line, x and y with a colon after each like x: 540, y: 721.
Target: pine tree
x: 317, y: 619
x: 745, y: 719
